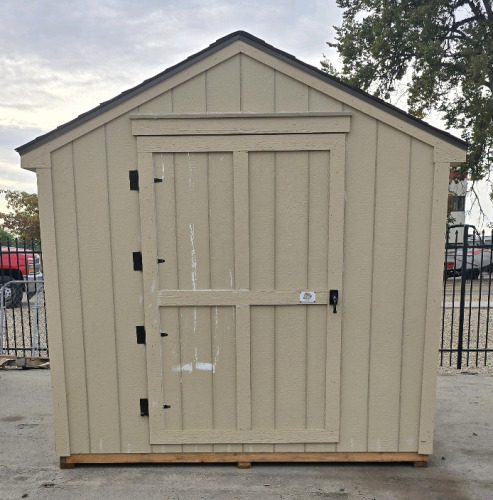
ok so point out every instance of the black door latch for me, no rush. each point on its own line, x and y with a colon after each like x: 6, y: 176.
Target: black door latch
x: 334, y: 299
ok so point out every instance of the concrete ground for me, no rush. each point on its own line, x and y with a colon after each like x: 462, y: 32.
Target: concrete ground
x: 460, y: 468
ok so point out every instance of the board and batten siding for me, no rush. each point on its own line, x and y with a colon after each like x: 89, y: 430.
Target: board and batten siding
x: 390, y: 191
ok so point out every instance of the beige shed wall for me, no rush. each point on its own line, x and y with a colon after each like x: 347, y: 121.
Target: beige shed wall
x: 390, y: 189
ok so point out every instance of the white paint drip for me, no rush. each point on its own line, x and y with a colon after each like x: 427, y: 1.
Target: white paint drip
x: 153, y: 286
x: 194, y: 320
x: 379, y: 446
x: 352, y: 443
x: 141, y: 298
x: 194, y: 257
x: 216, y: 317
x: 190, y: 170
x: 231, y: 278
x: 129, y: 448
x: 185, y: 367
x: 101, y: 444
x: 197, y: 365
x: 209, y: 367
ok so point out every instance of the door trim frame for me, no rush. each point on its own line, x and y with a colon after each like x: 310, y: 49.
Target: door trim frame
x: 240, y: 145
x: 240, y: 123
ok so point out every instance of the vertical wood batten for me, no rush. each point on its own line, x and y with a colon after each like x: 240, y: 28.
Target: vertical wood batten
x: 416, y: 283
x: 223, y: 344
x: 334, y: 279
x: 112, y: 282
x: 191, y: 96
x: 262, y: 245
x: 52, y: 292
x: 170, y: 378
x: 290, y: 94
x: 193, y: 237
x: 257, y: 86
x: 223, y: 86
x: 96, y: 286
x: 317, y: 101
x: 127, y: 285
x: 433, y: 303
x: 388, y: 288
x: 316, y: 315
x: 159, y: 105
x: 242, y: 282
x: 358, y: 257
x: 69, y: 280
x: 150, y: 281
x: 291, y: 273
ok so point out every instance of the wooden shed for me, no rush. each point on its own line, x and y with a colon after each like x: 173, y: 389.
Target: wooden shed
x: 196, y: 230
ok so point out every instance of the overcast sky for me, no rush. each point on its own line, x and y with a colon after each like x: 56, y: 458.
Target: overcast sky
x: 60, y: 58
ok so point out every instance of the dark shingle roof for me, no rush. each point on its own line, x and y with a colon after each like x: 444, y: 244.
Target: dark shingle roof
x: 216, y: 46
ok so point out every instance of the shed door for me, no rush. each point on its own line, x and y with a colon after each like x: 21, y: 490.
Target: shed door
x: 242, y: 346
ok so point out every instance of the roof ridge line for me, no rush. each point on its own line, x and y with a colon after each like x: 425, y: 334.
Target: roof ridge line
x: 214, y: 47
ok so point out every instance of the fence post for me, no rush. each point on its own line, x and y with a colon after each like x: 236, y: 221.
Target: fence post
x: 2, y: 307
x: 465, y: 242
x: 35, y: 341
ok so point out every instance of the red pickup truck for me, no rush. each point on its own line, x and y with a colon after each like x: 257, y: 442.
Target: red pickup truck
x: 18, y: 264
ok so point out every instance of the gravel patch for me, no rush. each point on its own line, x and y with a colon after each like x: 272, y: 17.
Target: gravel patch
x: 477, y: 329
x: 21, y: 327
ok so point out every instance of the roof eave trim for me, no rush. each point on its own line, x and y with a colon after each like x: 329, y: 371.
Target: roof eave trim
x: 261, y: 45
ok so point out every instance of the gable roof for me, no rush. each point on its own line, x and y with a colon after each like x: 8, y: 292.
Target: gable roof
x: 256, y: 43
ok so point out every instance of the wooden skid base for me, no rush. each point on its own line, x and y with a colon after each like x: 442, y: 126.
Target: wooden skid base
x: 243, y: 460
x: 22, y: 362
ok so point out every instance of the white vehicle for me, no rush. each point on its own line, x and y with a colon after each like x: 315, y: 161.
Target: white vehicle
x: 479, y: 250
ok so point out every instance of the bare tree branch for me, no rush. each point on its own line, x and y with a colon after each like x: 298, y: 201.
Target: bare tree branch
x: 474, y: 7
x: 489, y: 9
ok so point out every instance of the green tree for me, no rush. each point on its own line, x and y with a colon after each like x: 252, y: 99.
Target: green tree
x: 23, y: 220
x: 5, y: 235
x: 442, y: 50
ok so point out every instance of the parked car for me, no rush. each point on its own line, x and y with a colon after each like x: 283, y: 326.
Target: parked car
x: 18, y: 264
x: 479, y: 252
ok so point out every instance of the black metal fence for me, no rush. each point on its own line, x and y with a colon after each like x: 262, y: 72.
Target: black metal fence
x: 467, y: 287
x: 466, y: 317
x: 23, y: 330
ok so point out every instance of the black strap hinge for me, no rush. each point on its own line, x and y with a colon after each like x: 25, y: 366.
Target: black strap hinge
x: 164, y: 334
x: 141, y: 334
x: 165, y: 407
x: 133, y: 176
x: 144, y: 407
x: 160, y: 261
x: 137, y: 256
x: 158, y: 179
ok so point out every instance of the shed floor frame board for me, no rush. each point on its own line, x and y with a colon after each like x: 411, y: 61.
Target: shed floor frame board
x: 243, y: 459
x: 168, y: 422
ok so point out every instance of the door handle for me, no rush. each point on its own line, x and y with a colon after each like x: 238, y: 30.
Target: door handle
x: 334, y: 299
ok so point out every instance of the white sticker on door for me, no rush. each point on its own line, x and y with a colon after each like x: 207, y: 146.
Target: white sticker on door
x: 308, y: 297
